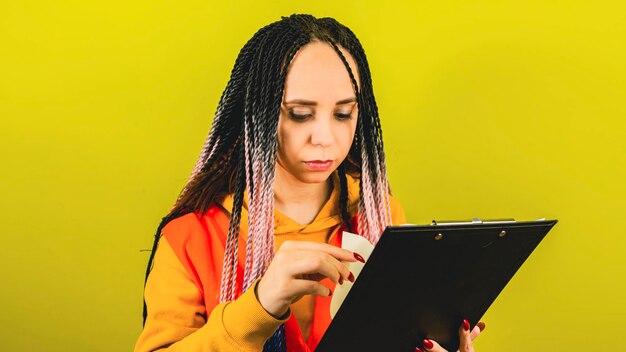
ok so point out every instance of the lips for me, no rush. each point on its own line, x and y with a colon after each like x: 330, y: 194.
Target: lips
x: 319, y: 165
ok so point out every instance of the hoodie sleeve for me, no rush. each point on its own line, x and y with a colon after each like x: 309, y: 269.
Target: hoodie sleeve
x: 177, y: 321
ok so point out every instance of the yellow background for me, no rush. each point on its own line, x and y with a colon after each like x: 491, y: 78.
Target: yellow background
x: 489, y: 109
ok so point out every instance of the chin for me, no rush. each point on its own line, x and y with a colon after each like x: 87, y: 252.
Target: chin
x: 315, y: 177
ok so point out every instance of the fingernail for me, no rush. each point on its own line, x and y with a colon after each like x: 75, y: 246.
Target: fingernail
x: 358, y: 257
x: 466, y: 325
x: 427, y: 343
x: 351, y: 277
x: 340, y: 280
x: 481, y: 325
x: 417, y: 349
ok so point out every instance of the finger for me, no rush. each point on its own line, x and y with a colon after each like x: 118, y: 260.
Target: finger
x: 475, y: 332
x: 480, y: 326
x: 343, y: 270
x: 433, y: 346
x: 308, y: 287
x: 465, y: 344
x: 317, y: 277
x: 305, y: 263
x: 337, y: 252
x: 316, y: 258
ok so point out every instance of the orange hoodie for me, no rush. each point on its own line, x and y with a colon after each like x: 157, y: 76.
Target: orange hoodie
x: 182, y: 290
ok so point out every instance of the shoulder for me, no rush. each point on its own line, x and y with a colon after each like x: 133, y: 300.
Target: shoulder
x: 184, y: 224
x: 397, y: 211
x: 197, y: 240
x: 194, y: 226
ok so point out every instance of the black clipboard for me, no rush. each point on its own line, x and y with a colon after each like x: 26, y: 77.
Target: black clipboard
x: 421, y: 281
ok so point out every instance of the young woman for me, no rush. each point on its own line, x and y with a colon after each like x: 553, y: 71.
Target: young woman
x: 248, y: 257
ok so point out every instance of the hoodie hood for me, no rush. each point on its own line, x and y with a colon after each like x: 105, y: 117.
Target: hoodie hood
x: 328, y: 216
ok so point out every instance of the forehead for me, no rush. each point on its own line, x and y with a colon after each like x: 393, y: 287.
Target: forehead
x: 317, y: 73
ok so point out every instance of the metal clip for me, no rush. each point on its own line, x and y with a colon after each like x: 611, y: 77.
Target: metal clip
x: 473, y: 221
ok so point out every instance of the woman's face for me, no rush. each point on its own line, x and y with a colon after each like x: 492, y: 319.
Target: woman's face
x: 319, y: 114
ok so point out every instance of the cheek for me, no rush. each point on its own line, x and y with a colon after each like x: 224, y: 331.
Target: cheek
x: 291, y: 141
x: 346, y: 136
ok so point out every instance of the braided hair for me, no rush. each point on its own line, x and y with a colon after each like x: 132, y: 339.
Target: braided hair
x: 240, y: 151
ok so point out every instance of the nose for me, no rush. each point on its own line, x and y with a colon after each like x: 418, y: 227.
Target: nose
x: 322, y: 132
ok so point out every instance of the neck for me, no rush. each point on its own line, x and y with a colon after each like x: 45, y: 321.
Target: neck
x: 289, y: 191
x: 301, y: 201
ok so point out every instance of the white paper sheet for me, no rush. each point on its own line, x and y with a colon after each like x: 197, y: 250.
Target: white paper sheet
x: 361, y: 246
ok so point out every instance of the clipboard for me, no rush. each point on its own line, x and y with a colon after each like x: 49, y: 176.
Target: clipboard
x: 421, y: 281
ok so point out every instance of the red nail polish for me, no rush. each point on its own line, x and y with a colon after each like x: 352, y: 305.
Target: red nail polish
x: 351, y: 277
x: 417, y: 349
x: 466, y: 325
x: 481, y: 325
x: 340, y: 280
x: 428, y: 344
x: 358, y: 257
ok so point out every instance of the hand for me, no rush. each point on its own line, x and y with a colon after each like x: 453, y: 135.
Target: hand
x: 296, y: 270
x: 466, y: 339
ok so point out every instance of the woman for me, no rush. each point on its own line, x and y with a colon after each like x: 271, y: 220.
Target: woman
x: 249, y: 255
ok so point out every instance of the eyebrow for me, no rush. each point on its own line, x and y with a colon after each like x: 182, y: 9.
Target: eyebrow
x: 313, y: 103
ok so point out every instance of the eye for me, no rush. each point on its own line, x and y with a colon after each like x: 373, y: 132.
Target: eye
x: 343, y: 116
x: 298, y: 117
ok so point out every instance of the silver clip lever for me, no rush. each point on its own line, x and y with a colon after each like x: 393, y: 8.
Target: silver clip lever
x: 473, y: 221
